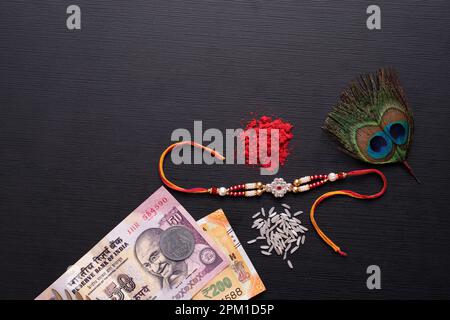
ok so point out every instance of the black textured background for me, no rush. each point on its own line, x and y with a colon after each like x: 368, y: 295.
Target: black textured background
x: 85, y: 114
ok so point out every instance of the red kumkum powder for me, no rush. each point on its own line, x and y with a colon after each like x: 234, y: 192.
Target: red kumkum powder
x: 268, y: 123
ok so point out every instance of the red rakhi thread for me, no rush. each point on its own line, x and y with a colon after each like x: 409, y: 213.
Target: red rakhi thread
x: 278, y: 187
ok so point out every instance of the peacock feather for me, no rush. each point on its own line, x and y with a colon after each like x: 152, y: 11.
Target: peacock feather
x: 372, y: 121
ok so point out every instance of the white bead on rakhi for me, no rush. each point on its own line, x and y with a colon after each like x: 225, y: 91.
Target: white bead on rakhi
x: 222, y: 191
x: 332, y: 177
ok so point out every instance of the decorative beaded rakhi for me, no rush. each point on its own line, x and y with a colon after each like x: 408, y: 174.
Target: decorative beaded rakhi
x: 278, y: 187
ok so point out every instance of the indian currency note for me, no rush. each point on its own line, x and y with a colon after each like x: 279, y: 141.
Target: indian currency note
x: 157, y: 252
x: 239, y: 281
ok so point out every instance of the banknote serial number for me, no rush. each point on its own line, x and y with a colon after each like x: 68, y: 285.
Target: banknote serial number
x: 153, y: 210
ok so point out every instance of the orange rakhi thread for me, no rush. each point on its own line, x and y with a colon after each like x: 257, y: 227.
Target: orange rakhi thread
x: 278, y: 187
x: 172, y: 185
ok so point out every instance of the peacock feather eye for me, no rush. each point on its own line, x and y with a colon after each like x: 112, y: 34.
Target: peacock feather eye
x: 372, y: 121
x: 373, y: 144
x: 398, y: 131
x: 379, y: 146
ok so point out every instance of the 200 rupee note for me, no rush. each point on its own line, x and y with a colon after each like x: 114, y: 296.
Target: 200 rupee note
x: 239, y: 281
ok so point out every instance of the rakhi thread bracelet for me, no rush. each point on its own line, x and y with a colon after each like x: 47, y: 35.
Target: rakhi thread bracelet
x: 278, y: 187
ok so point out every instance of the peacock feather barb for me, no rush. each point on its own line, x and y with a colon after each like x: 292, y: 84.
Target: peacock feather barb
x: 372, y: 121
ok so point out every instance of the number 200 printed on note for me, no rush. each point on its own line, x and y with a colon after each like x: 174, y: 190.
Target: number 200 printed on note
x: 157, y: 252
x: 239, y: 281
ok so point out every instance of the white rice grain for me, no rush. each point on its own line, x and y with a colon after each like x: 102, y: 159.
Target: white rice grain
x: 256, y: 215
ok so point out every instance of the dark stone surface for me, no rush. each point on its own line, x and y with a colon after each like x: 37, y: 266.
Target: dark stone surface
x: 84, y: 116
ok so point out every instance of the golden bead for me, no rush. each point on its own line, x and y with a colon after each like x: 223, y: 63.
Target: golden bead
x: 296, y: 182
x: 259, y: 185
x: 259, y: 192
x: 295, y: 189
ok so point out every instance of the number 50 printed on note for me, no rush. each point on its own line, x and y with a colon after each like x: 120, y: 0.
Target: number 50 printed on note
x: 239, y: 281
x: 157, y: 252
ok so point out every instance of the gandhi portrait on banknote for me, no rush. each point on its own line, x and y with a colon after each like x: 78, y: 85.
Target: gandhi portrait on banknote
x: 149, y: 254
